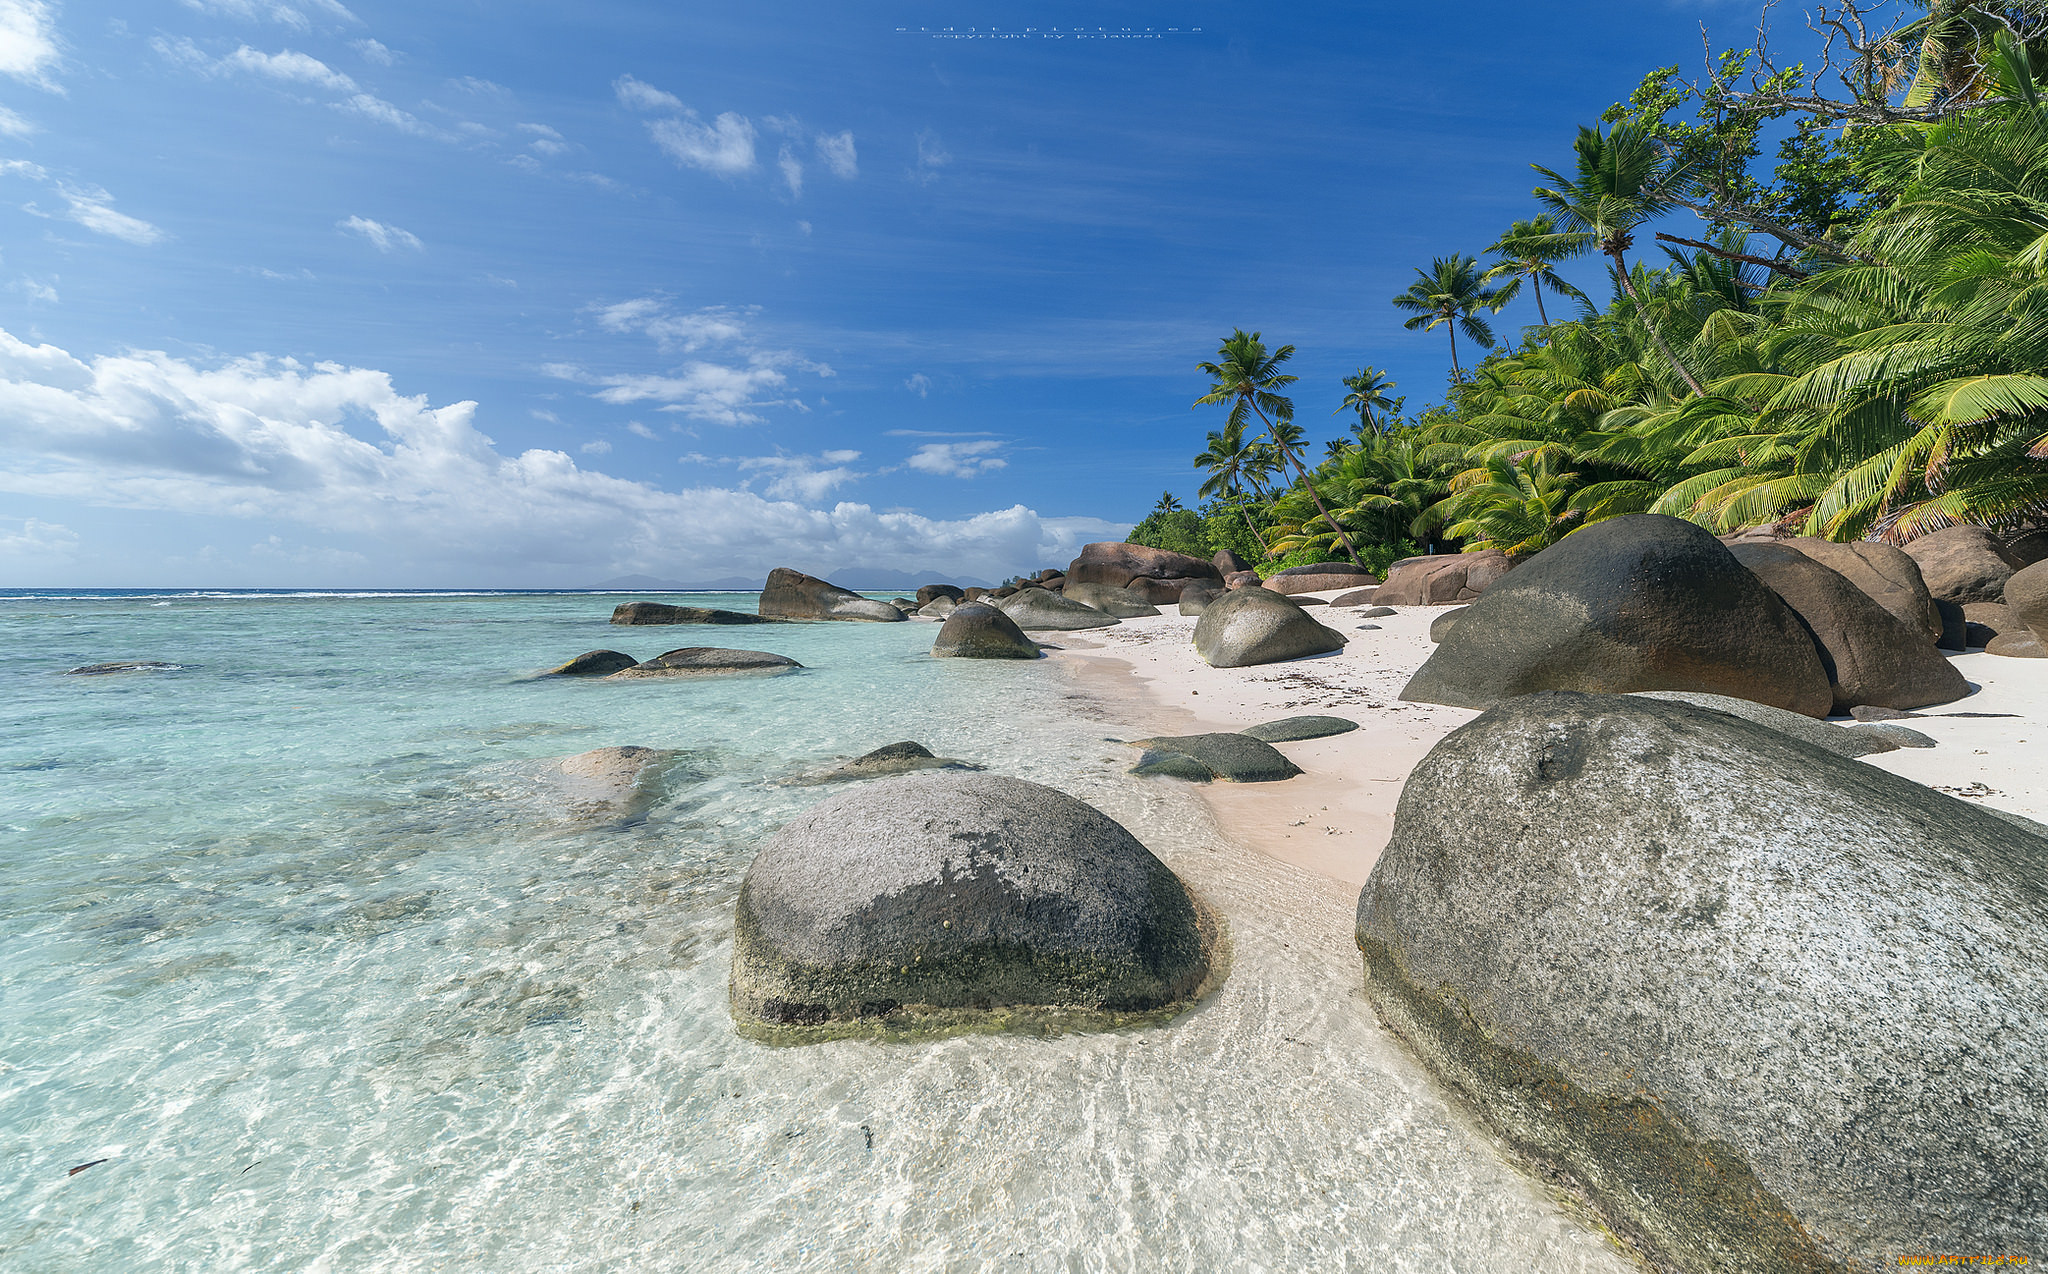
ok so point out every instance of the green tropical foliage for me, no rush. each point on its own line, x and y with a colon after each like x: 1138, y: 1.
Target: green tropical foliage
x: 1854, y: 345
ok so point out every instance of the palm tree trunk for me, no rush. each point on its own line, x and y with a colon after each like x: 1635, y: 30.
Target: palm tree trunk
x: 1314, y: 494
x: 1536, y: 285
x: 1621, y: 273
x: 1457, y: 373
x: 1253, y: 527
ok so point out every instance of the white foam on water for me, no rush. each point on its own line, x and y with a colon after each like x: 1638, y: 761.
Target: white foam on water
x: 287, y: 942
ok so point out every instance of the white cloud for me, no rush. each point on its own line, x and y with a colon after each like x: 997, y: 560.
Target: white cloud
x: 86, y: 205
x: 546, y: 141
x: 639, y: 430
x: 374, y: 51
x: 957, y: 459
x: 931, y: 156
x: 13, y: 125
x: 838, y: 154
x: 919, y: 384
x: 28, y: 42
x: 713, y: 325
x: 804, y: 228
x: 801, y: 477
x: 792, y: 172
x: 419, y: 491
x: 642, y: 96
x: 724, y: 146
x: 38, y: 539
x: 598, y: 448
x: 288, y: 66
x: 376, y: 108
x: 35, y: 290
x: 386, y: 238
x: 269, y: 10
x: 710, y: 392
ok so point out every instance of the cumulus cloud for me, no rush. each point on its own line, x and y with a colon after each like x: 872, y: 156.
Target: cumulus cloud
x: 386, y: 238
x: 919, y: 384
x: 374, y: 51
x: 639, y: 430
x: 642, y: 96
x: 712, y: 392
x: 546, y: 141
x: 712, y: 325
x: 28, y: 42
x: 957, y: 459
x: 806, y: 478
x: 599, y: 447
x: 724, y: 146
x: 792, y: 172
x: 420, y: 491
x: 837, y: 153
x: 36, y: 539
x: 731, y: 392
x: 290, y: 67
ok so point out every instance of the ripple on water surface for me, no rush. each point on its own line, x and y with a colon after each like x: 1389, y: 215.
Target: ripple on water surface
x: 291, y: 940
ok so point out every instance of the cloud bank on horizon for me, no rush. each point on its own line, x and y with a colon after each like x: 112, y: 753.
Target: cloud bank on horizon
x: 389, y: 485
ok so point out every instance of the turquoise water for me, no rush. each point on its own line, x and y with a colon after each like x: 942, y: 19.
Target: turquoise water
x: 291, y: 938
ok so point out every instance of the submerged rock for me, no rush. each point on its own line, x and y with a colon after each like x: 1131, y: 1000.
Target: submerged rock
x: 794, y: 595
x: 1640, y: 602
x: 124, y: 665
x: 1234, y: 758
x: 606, y: 783
x: 896, y: 758
x: 1764, y: 1007
x: 711, y: 661
x: 975, y: 630
x: 595, y: 663
x: 942, y: 902
x: 661, y: 613
x: 1254, y: 625
x: 1288, y: 729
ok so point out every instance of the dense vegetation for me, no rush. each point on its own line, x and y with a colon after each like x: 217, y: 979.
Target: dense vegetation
x: 1854, y: 345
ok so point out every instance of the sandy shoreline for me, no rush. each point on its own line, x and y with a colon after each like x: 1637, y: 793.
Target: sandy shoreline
x: 1337, y: 817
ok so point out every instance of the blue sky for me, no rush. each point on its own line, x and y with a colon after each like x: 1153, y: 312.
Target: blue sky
x: 529, y: 294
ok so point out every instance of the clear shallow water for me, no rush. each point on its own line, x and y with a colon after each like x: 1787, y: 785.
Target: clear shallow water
x: 289, y: 938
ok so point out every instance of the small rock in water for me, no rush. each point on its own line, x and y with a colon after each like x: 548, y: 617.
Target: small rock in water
x: 1288, y: 729
x: 895, y: 758
x: 1234, y: 758
x: 595, y: 663
x: 706, y: 661
x: 661, y: 613
x: 126, y: 665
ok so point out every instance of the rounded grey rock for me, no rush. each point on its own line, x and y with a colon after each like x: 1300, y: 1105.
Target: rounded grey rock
x: 711, y: 661
x: 1288, y: 729
x: 1041, y: 610
x: 1111, y: 600
x: 1232, y: 757
x: 791, y: 594
x: 975, y: 630
x: 1253, y: 625
x: 1764, y: 1007
x: 943, y: 901
x: 595, y: 663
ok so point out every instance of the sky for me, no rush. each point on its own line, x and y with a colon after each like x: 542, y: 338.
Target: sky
x: 300, y: 293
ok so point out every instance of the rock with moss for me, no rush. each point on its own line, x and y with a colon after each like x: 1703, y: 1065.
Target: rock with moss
x: 944, y: 902
x: 595, y: 663
x: 1232, y: 757
x: 710, y: 661
x: 1761, y: 1006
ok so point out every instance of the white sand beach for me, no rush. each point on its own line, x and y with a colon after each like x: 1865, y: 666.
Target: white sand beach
x: 1336, y: 818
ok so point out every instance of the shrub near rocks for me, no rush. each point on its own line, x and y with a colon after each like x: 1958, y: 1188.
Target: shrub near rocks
x: 945, y: 902
x: 1765, y: 1008
x: 1642, y: 602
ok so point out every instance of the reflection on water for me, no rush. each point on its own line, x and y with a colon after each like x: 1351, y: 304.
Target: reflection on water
x: 290, y: 942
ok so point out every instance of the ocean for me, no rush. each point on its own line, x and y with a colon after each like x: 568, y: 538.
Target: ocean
x: 296, y: 954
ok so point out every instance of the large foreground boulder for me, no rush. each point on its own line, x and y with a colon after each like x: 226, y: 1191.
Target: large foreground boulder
x: 1111, y: 600
x: 976, y: 630
x: 1041, y: 610
x: 1887, y: 574
x: 1258, y: 626
x: 1764, y: 1008
x: 662, y: 613
x: 1964, y: 564
x: 1642, y: 602
x: 795, y: 595
x: 1157, y: 575
x: 1319, y: 577
x: 1869, y: 654
x: 710, y: 661
x: 943, y: 901
x: 1442, y: 578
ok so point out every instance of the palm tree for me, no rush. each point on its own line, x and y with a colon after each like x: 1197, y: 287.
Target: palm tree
x: 1168, y: 503
x: 1527, y: 252
x: 1446, y: 295
x: 1371, y: 394
x: 1246, y: 377
x: 1623, y: 180
x: 1229, y: 460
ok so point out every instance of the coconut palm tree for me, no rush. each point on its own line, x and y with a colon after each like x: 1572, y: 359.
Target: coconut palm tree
x: 1229, y: 460
x: 1371, y: 395
x: 1526, y: 253
x: 1623, y: 180
x: 1448, y: 294
x: 1168, y: 503
x: 1249, y: 378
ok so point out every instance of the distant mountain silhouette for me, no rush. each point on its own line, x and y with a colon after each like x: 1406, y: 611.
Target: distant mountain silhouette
x: 860, y: 579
